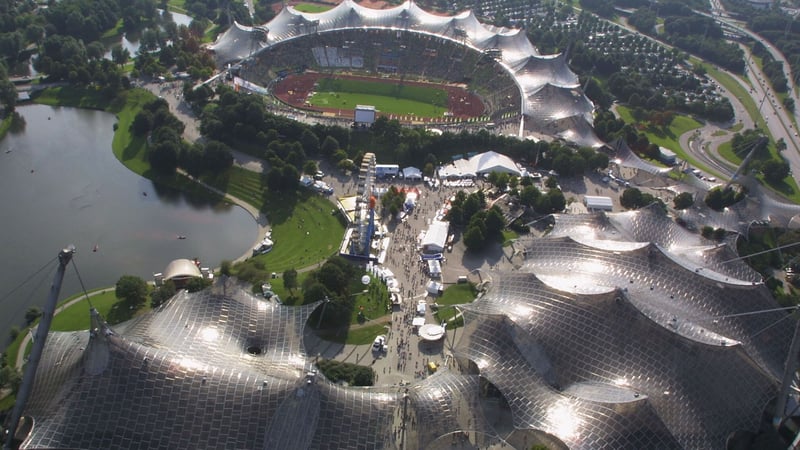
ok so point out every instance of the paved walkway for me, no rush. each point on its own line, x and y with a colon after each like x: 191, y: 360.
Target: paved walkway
x: 407, y: 356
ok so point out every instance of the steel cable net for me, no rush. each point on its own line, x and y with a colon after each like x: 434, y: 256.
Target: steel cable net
x: 601, y: 338
x: 597, y: 373
x: 625, y: 157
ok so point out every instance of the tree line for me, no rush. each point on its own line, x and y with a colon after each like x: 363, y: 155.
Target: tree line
x: 243, y: 121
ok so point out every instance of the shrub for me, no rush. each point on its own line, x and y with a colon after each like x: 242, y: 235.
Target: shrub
x: 33, y: 313
x: 352, y: 374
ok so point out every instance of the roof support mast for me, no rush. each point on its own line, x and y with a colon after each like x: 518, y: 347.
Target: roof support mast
x: 64, y: 257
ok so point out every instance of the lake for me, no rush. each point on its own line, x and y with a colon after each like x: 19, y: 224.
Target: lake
x: 60, y: 184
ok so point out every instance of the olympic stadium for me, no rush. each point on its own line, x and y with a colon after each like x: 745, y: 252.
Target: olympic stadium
x: 614, y: 330
x: 516, y: 83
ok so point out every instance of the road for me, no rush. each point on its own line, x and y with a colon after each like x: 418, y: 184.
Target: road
x: 779, y: 122
x: 780, y: 125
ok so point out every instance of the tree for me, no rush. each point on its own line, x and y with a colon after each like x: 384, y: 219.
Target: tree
x: 474, y: 238
x: 528, y: 195
x: 683, y: 200
x: 494, y: 221
x: 10, y: 378
x: 631, y: 198
x: 8, y: 95
x: 290, y: 279
x: 329, y: 146
x: 217, y: 157
x: 131, y: 289
x: 310, y: 142
x: 310, y: 167
x: 332, y: 277
x: 120, y: 55
x: 33, y: 313
x: 315, y: 292
x: 142, y: 123
x: 162, y: 293
x: 95, y: 50
x: 225, y: 267
x: 775, y: 171
x: 163, y: 157
x: 556, y: 199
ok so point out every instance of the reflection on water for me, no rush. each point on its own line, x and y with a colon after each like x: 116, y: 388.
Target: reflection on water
x: 130, y: 39
x: 61, y: 184
x: 17, y: 123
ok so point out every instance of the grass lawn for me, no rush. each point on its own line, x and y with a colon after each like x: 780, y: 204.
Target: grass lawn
x: 311, y: 7
x: 508, y: 236
x: 456, y: 294
x: 392, y: 98
x: 372, y: 304
x: 7, y: 402
x: 291, y: 299
x: 726, y: 151
x: 177, y: 6
x: 787, y: 188
x: 303, y: 228
x: 667, y: 138
x: 5, y: 125
x: 113, y: 33
x: 354, y: 336
x: 76, y: 317
x: 113, y: 310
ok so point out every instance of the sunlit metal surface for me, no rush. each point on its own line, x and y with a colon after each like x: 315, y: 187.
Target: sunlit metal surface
x: 615, y: 331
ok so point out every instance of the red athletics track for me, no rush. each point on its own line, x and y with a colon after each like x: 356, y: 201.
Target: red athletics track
x: 294, y: 89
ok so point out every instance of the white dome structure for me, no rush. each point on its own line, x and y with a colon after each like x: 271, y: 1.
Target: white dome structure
x: 182, y: 270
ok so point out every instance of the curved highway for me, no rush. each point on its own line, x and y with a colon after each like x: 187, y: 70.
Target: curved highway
x: 779, y: 123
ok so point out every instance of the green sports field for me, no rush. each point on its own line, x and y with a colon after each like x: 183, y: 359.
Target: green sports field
x: 388, y: 98
x: 311, y: 7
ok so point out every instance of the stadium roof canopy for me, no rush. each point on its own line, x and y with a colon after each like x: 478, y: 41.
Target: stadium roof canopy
x: 552, y: 100
x: 618, y: 330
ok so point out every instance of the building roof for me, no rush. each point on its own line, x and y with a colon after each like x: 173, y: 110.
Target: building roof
x: 436, y: 235
x: 486, y: 162
x: 618, y: 330
x: 180, y: 269
x: 412, y: 172
x: 551, y: 94
x: 598, y: 202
